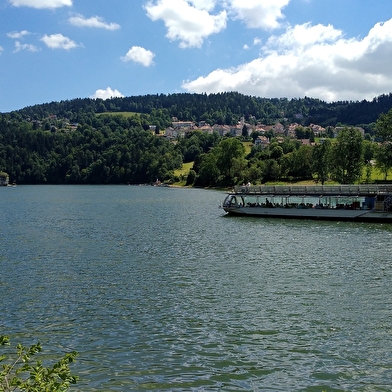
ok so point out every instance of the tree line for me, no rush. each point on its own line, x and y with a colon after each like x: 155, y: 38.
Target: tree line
x: 220, y: 108
x: 86, y: 155
x: 119, y: 149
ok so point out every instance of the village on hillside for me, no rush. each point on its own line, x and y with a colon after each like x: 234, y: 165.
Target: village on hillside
x: 179, y: 129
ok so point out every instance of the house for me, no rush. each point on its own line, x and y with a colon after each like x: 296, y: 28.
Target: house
x: 221, y: 130
x: 291, y: 130
x: 172, y: 133
x: 205, y: 128
x: 337, y: 130
x: 278, y: 129
x: 317, y: 129
x: 182, y: 124
x: 262, y: 141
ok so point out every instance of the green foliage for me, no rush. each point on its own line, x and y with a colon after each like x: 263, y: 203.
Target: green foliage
x: 384, y: 126
x: 297, y: 164
x: 321, y: 161
x: 384, y: 158
x: 230, y: 160
x: 116, y: 154
x: 384, y: 153
x: 190, y: 180
x: 347, y: 157
x: 20, y: 373
x: 220, y: 108
x: 196, y: 143
x: 208, y: 173
x: 87, y: 141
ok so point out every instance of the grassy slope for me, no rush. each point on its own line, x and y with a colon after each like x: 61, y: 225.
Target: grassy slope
x: 125, y: 114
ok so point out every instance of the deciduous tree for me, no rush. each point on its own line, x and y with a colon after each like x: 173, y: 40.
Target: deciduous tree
x: 347, y: 156
x: 321, y: 157
x: 384, y: 153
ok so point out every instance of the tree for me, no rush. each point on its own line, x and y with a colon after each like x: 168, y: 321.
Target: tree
x: 238, y: 170
x: 347, y: 156
x: 384, y: 126
x: 190, y: 179
x: 384, y: 158
x: 276, y: 151
x: 301, y: 168
x: 19, y: 373
x: 226, y: 151
x: 384, y: 153
x: 245, y: 133
x: 270, y: 170
x: 208, y: 173
x: 368, y: 150
x: 321, y: 161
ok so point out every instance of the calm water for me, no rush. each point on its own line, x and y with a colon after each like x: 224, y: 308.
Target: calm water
x: 158, y: 290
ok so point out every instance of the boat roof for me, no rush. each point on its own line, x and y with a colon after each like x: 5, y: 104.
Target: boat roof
x: 315, y: 190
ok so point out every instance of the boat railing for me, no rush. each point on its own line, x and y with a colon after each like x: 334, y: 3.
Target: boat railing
x: 316, y: 190
x: 388, y: 203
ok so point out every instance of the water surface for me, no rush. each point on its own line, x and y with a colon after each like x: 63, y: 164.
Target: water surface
x: 158, y: 290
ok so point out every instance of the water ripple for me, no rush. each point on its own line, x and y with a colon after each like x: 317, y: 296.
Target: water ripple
x: 158, y: 290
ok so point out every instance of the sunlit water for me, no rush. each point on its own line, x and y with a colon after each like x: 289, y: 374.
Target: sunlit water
x: 158, y: 290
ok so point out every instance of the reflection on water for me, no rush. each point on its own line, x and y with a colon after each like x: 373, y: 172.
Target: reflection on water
x: 158, y: 290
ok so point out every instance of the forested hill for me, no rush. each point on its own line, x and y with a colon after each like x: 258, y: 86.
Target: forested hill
x: 221, y: 108
x: 81, y: 141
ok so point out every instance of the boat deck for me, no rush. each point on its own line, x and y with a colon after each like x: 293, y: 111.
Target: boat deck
x: 369, y: 190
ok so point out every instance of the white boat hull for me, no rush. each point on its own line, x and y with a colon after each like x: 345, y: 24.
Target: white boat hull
x: 312, y: 213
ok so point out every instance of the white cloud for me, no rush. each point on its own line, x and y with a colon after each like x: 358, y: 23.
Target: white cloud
x: 207, y: 5
x: 315, y: 61
x: 264, y: 14
x: 95, y: 21
x: 105, y: 94
x: 303, y: 36
x: 192, y: 21
x: 41, y: 3
x: 28, y: 47
x: 18, y: 34
x: 58, y: 41
x: 139, y: 55
x: 185, y: 23
x: 1, y: 49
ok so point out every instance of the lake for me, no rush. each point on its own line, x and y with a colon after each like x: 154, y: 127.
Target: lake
x: 157, y: 289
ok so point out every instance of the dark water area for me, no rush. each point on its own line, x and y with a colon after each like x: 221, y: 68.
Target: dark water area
x: 157, y: 289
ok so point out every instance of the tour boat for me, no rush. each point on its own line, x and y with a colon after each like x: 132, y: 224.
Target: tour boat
x: 362, y: 203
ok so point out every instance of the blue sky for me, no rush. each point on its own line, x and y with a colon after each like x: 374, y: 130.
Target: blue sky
x: 53, y: 50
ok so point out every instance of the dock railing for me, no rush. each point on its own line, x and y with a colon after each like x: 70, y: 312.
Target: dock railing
x: 316, y: 190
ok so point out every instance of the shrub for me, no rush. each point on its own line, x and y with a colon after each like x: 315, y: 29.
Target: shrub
x: 21, y: 373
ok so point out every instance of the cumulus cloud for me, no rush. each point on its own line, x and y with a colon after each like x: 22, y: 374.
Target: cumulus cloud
x: 264, y: 14
x: 18, y: 34
x: 208, y: 5
x: 189, y: 24
x: 41, y: 3
x: 192, y: 21
x: 315, y: 61
x: 139, y: 55
x: 106, y: 94
x: 58, y: 41
x: 27, y: 47
x: 94, y: 21
x: 304, y: 36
